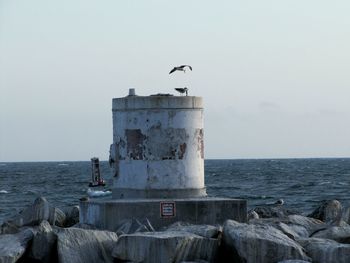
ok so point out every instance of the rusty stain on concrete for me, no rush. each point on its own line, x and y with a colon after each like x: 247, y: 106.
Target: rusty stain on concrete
x: 165, y: 144
x: 200, y: 142
x: 182, y: 150
x: 134, y: 141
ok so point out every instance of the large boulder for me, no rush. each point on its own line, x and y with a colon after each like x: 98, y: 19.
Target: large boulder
x: 258, y: 243
x: 252, y: 215
x: 84, y: 246
x: 169, y: 246
x: 346, y: 214
x: 9, y: 228
x: 326, y: 250
x: 12, y: 247
x: 72, y: 215
x: 330, y: 211
x: 269, y: 211
x: 43, y: 247
x: 294, y: 226
x: 293, y: 261
x: 34, y: 214
x: 200, y: 230
x: 339, y: 234
x: 60, y: 217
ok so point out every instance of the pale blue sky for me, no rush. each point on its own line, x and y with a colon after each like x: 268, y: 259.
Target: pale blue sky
x: 274, y: 75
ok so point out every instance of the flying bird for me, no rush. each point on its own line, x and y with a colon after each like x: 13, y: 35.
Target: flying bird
x: 180, y: 68
x: 182, y: 90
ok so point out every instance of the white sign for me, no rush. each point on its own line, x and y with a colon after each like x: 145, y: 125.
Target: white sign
x: 167, y: 209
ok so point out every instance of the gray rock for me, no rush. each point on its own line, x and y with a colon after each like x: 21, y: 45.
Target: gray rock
x: 84, y: 246
x: 60, y: 217
x: 293, y: 231
x: 294, y: 226
x: 85, y: 226
x: 165, y: 247
x: 12, y: 247
x: 293, y: 261
x: 197, y: 261
x: 326, y: 251
x: 134, y: 226
x: 346, y: 215
x: 200, y: 230
x: 9, y: 228
x: 43, y: 247
x: 258, y: 243
x: 339, y: 234
x: 72, y: 215
x: 35, y: 214
x: 330, y: 211
x: 252, y: 215
x: 269, y: 211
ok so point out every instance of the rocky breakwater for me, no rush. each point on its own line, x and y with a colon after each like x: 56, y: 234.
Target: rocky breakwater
x: 43, y: 233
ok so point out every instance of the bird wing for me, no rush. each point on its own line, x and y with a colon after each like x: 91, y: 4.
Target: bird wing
x: 182, y: 66
x: 171, y: 71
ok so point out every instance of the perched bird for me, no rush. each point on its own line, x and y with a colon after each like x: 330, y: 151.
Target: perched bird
x: 182, y: 90
x: 180, y: 68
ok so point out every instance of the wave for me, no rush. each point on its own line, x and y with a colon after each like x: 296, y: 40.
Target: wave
x: 3, y: 192
x: 98, y: 193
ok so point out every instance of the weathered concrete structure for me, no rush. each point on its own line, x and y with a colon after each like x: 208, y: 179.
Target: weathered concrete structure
x: 157, y: 158
x: 158, y: 149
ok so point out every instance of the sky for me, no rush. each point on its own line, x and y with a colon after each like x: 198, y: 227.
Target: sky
x: 274, y: 75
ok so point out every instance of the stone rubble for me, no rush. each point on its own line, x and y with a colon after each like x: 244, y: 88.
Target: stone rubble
x: 42, y: 233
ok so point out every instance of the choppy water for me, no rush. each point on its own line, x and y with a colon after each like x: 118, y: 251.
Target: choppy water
x: 302, y: 183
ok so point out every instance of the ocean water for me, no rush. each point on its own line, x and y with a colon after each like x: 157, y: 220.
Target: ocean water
x: 302, y: 183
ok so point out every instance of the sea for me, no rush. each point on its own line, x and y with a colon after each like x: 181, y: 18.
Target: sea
x: 301, y: 183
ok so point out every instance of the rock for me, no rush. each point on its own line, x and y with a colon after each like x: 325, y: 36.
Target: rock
x: 293, y: 261
x: 294, y: 226
x: 310, y: 224
x: 197, y: 261
x: 85, y: 226
x: 291, y: 230
x: 326, y: 251
x: 83, y: 246
x: 273, y: 211
x: 200, y: 230
x: 43, y: 247
x: 9, y: 228
x: 169, y: 246
x: 252, y: 215
x: 346, y: 215
x: 329, y: 211
x: 258, y: 243
x: 72, y: 215
x: 60, y: 217
x: 12, y: 247
x: 339, y: 234
x: 133, y: 226
x: 35, y: 214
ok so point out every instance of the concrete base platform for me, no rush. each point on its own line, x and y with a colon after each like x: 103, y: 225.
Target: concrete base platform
x: 110, y: 214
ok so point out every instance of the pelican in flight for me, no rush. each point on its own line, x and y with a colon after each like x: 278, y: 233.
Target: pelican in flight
x: 180, y: 68
x: 182, y: 90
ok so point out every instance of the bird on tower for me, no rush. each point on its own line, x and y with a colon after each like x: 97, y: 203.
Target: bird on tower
x: 182, y: 90
x: 180, y: 68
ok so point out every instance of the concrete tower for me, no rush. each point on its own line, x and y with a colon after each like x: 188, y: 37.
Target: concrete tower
x: 158, y: 167
x: 158, y: 149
